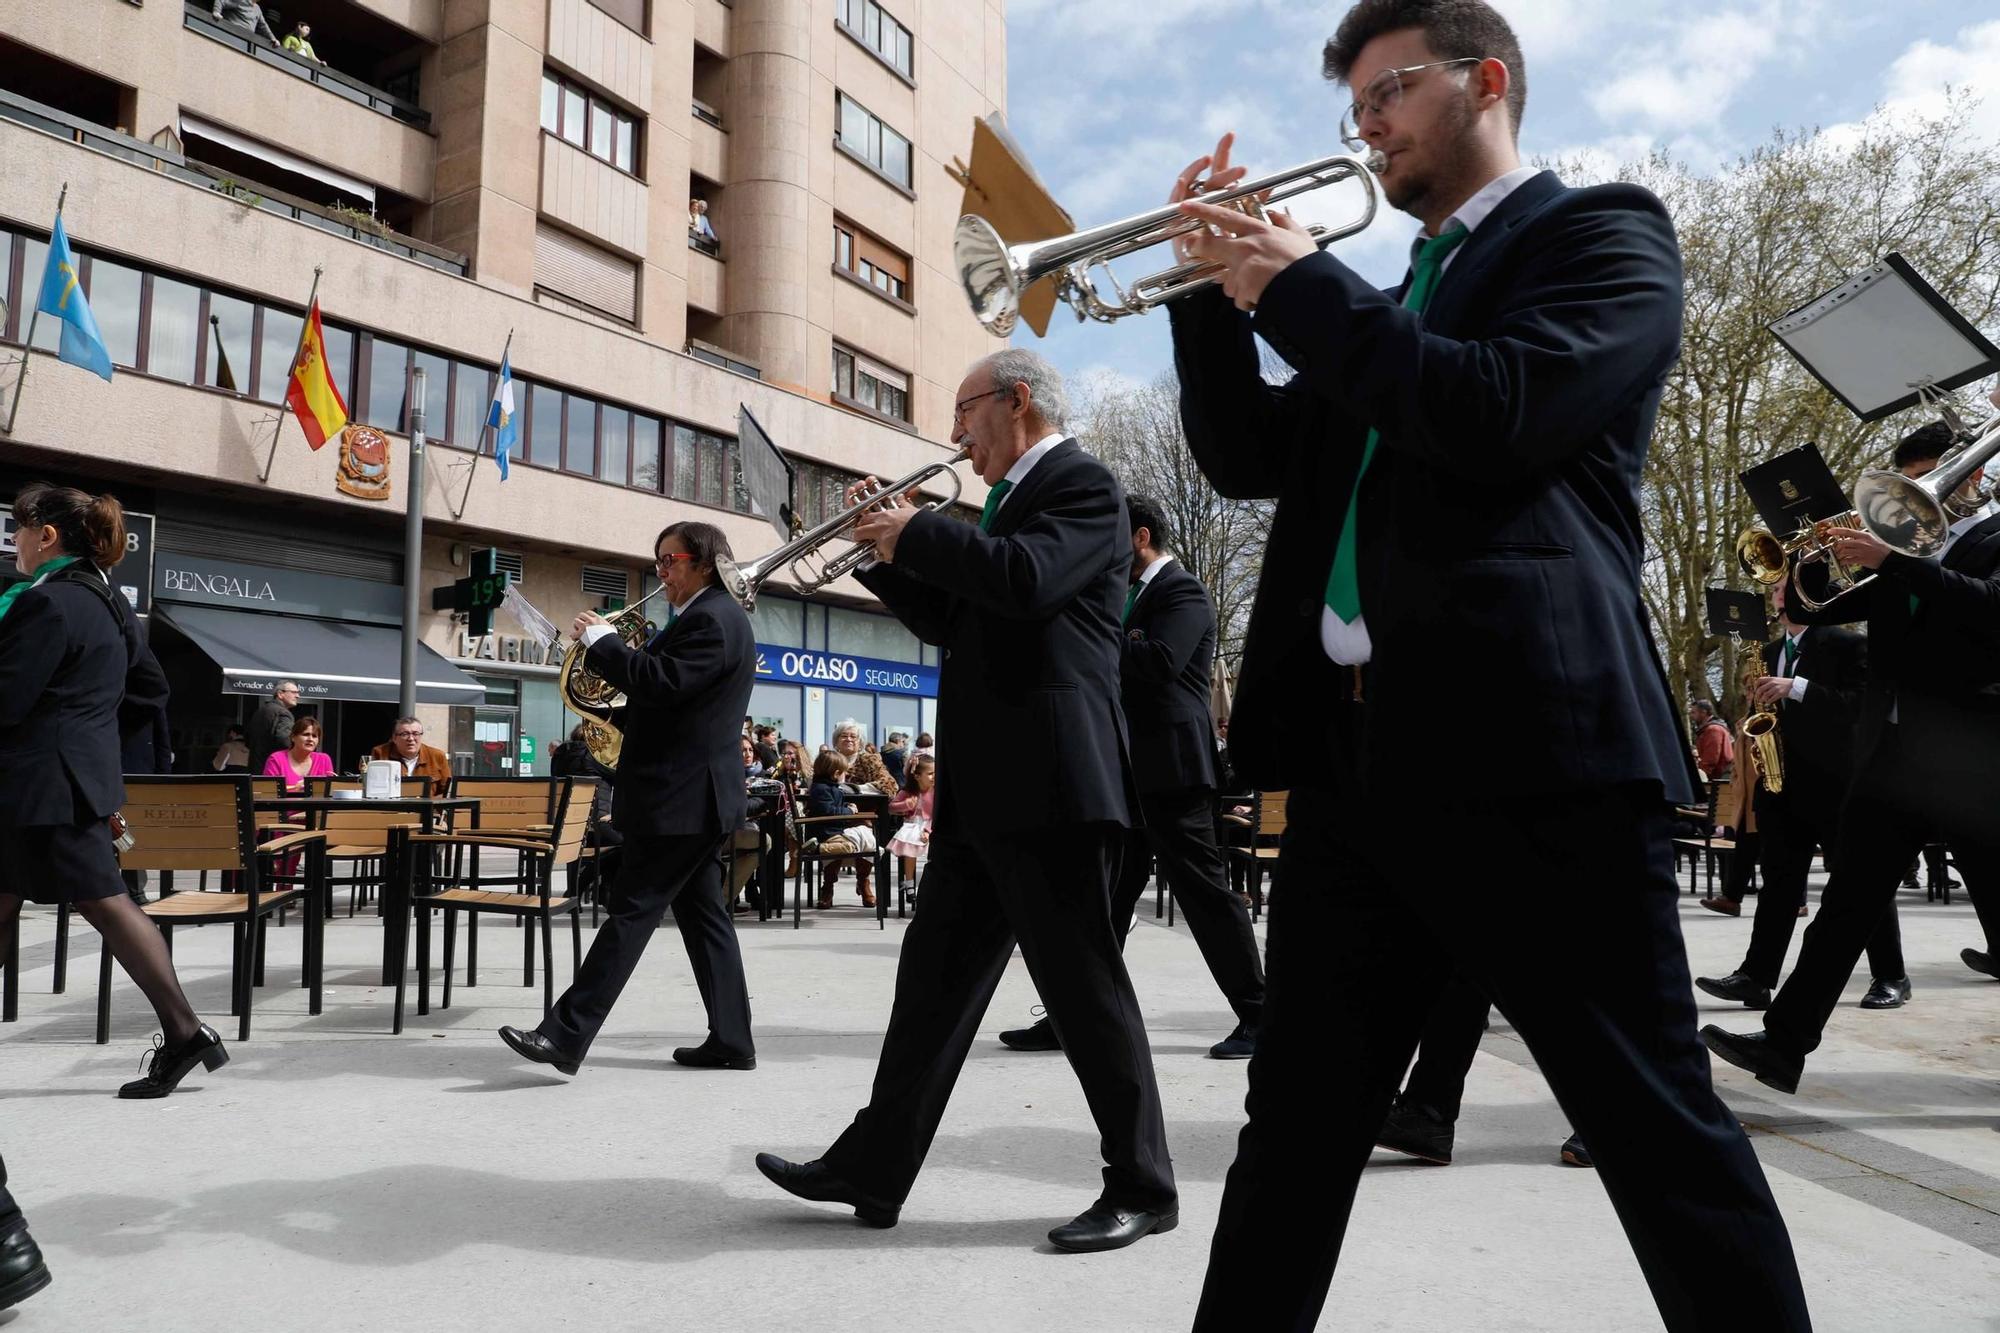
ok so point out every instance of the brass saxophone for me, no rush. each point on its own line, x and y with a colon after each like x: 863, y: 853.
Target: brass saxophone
x: 1760, y: 736
x: 591, y: 696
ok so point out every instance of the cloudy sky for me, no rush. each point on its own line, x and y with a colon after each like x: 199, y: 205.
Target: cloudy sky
x: 1110, y: 98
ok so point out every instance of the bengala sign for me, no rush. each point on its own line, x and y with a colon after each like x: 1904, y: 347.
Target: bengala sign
x: 837, y: 669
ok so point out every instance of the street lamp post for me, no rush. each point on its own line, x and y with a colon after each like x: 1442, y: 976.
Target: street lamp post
x: 413, y: 547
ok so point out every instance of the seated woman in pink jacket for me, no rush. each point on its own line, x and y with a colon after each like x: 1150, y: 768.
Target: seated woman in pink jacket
x: 304, y: 759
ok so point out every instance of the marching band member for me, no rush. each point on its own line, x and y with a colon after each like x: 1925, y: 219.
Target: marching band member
x: 677, y: 797
x: 1455, y: 556
x: 1025, y: 607
x: 1927, y: 763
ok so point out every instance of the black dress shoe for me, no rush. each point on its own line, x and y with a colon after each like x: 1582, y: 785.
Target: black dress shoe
x: 1980, y: 962
x: 1755, y: 1052
x: 1037, y: 1036
x: 1416, y: 1131
x: 168, y: 1065
x: 1574, y: 1153
x: 817, y: 1182
x: 1238, y: 1045
x: 1887, y: 994
x: 22, y: 1272
x: 1106, y: 1226
x: 1738, y: 986
x: 707, y: 1056
x: 532, y: 1045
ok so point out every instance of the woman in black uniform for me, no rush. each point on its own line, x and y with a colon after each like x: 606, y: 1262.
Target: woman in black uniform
x: 70, y: 660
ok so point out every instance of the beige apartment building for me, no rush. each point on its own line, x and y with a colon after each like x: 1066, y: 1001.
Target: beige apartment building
x: 459, y: 171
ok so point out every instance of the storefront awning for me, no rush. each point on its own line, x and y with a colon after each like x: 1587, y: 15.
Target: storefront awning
x: 330, y: 659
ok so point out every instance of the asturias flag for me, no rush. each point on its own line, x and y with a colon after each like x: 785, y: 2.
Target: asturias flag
x: 312, y: 394
x: 62, y: 297
x: 506, y: 426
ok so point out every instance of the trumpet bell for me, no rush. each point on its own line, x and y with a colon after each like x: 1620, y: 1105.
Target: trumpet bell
x: 1761, y: 555
x: 1902, y: 512
x: 986, y: 270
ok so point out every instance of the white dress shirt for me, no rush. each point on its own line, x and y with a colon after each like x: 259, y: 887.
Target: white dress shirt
x: 1026, y: 464
x: 1158, y: 563
x: 1347, y: 642
x: 1797, y: 644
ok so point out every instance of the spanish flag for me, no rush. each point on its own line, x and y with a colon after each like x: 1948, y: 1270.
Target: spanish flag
x: 312, y: 394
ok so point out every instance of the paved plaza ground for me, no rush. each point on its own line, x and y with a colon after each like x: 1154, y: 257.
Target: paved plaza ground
x: 335, y: 1177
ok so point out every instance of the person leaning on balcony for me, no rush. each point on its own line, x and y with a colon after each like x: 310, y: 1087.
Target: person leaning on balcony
x: 300, y: 43
x: 699, y: 226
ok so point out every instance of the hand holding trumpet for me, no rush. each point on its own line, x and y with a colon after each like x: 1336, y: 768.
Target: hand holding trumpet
x: 883, y: 523
x: 1251, y: 251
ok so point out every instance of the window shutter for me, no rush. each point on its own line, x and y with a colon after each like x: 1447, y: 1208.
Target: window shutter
x: 587, y: 274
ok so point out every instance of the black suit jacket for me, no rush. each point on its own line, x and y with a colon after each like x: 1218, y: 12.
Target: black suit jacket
x: 686, y: 691
x: 1027, y: 616
x: 1817, y: 732
x: 1169, y: 653
x: 1936, y: 668
x: 1499, y: 542
x: 71, y: 658
x: 270, y: 731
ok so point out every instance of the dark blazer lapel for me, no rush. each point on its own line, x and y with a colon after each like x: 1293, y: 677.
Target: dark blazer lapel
x: 1021, y: 499
x: 1485, y: 244
x: 1969, y: 551
x: 667, y: 634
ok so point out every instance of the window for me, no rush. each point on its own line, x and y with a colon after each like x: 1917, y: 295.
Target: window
x: 871, y: 384
x: 646, y: 469
x: 707, y: 470
x: 229, y: 326
x: 471, y: 395
x: 388, y: 371
x: 48, y: 333
x: 544, y: 426
x: 437, y: 391
x: 114, y: 300
x: 580, y: 436
x: 588, y: 274
x: 870, y: 140
x: 274, y: 353
x: 614, y: 444
x: 593, y: 124
x: 631, y: 13
x: 864, y: 257
x: 176, y: 310
x: 872, y: 26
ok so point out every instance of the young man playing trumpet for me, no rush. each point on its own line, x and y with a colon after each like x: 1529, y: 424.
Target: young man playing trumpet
x: 1456, y: 467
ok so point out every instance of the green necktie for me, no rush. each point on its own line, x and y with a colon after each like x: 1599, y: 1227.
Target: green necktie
x: 1131, y: 600
x: 993, y: 498
x: 1343, y: 585
x: 1791, y: 653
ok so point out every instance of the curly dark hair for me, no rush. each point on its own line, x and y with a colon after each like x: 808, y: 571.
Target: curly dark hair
x: 1453, y: 29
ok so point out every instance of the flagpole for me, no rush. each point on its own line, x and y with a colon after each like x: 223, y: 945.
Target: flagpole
x: 305, y: 326
x: 28, y: 344
x: 489, y: 433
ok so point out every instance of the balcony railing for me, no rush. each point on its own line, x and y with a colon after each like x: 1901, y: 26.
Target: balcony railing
x: 198, y: 19
x: 716, y: 356
x: 97, y: 138
x: 708, y: 245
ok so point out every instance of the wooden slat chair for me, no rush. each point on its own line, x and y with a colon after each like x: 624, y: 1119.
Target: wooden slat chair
x: 1261, y: 856
x: 509, y: 808
x: 561, y: 846
x: 816, y: 864
x: 206, y: 823
x: 359, y: 837
x: 1707, y: 850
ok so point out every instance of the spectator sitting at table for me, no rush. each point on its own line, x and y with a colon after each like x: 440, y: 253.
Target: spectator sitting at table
x: 828, y: 796
x: 233, y: 755
x: 868, y: 771
x: 753, y: 767
x: 765, y: 737
x: 304, y: 759
x: 847, y: 740
x: 406, y: 744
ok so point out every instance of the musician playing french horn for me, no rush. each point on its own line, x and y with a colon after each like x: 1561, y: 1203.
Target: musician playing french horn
x: 1927, y: 758
x: 677, y: 794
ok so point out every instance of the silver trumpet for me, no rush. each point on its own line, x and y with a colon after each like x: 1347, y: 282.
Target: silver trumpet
x: 1914, y: 515
x: 995, y: 274
x: 801, y: 555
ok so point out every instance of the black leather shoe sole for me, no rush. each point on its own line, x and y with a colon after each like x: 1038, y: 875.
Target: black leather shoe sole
x: 25, y: 1286
x: 1063, y: 1238
x: 822, y: 1186
x: 1037, y: 1038
x: 540, y: 1055
x: 1887, y: 995
x: 695, y: 1057
x: 1749, y: 999
x: 1983, y: 963
x: 1750, y: 1058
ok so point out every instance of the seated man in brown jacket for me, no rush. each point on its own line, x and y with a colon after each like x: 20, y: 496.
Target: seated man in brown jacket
x: 419, y: 760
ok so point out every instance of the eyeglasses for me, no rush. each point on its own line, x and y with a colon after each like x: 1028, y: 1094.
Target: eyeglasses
x: 1384, y: 92
x: 667, y: 561
x: 409, y: 735
x: 958, y: 409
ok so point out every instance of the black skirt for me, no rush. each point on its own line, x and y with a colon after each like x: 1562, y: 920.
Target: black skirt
x: 59, y: 863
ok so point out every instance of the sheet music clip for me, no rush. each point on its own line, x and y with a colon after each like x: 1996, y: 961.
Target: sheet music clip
x: 1884, y: 340
x: 1735, y: 614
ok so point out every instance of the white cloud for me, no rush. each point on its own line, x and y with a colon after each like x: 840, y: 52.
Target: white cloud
x: 1694, y: 77
x: 1916, y: 84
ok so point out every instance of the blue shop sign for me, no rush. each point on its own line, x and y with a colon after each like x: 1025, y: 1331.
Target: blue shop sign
x: 838, y: 671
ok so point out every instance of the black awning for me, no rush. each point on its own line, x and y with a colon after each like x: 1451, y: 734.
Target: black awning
x: 330, y: 659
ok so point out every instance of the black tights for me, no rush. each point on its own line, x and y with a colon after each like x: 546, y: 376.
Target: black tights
x: 139, y: 948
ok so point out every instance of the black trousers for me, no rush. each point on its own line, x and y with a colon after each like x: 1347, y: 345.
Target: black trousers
x: 1445, y: 1051
x: 1180, y: 836
x: 1051, y: 890
x: 10, y: 1212
x: 1796, y: 824
x: 682, y: 871
x: 1355, y: 955
x: 1896, y: 805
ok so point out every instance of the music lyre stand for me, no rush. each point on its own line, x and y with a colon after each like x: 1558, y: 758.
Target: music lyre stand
x: 1884, y: 340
